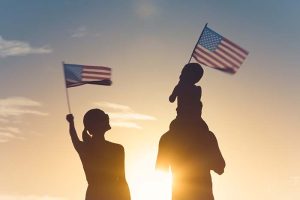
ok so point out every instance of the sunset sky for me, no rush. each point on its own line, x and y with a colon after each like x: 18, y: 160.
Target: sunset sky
x: 255, y: 114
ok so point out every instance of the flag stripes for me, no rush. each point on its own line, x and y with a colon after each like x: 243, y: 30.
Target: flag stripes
x: 213, y: 50
x: 76, y: 75
x: 95, y: 73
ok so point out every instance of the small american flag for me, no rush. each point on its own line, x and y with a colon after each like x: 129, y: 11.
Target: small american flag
x: 76, y: 75
x: 214, y: 50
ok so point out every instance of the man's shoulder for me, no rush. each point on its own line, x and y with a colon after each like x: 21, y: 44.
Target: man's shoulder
x: 165, y: 137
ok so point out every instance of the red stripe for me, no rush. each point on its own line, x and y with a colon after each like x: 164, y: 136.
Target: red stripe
x: 100, y: 73
x: 232, y: 50
x: 95, y: 77
x: 97, y: 67
x: 211, y: 55
x: 236, y: 46
x: 229, y: 55
x: 200, y: 61
x: 226, y: 69
x: 207, y: 60
x: 226, y: 59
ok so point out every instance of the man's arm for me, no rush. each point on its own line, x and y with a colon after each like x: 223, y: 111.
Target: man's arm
x: 162, y: 161
x: 218, y: 162
x: 74, y: 137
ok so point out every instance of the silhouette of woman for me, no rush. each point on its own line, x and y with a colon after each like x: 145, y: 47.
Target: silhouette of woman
x: 103, y: 161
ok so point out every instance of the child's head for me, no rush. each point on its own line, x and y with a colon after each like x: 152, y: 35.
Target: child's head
x: 95, y: 120
x: 191, y: 73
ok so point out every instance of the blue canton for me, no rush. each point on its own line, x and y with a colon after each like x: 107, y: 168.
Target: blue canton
x: 210, y: 39
x: 73, y: 72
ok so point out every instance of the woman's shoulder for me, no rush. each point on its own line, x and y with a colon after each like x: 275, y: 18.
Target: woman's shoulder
x: 115, y: 146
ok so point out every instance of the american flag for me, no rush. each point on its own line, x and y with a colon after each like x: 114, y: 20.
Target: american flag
x: 76, y: 75
x: 214, y: 50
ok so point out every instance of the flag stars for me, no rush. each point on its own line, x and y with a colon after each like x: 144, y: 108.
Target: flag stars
x: 210, y: 40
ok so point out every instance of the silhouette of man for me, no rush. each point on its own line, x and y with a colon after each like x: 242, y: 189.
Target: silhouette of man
x: 189, y: 148
x: 103, y: 161
x: 190, y: 156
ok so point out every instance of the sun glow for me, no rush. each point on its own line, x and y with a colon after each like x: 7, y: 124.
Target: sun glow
x: 145, y: 182
x: 156, y: 185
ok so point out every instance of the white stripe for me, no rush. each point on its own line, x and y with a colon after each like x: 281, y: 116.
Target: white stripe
x: 96, y: 76
x: 96, y: 70
x: 231, y: 53
x: 200, y: 60
x: 228, y: 64
x: 234, y: 48
x: 213, y: 66
x: 235, y: 62
x: 215, y: 61
x: 206, y: 63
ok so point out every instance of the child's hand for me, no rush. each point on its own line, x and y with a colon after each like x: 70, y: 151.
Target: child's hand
x: 70, y: 118
x: 172, y: 98
x: 174, y: 94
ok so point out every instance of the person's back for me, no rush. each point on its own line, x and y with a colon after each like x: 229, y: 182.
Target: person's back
x: 190, y: 162
x: 103, y: 161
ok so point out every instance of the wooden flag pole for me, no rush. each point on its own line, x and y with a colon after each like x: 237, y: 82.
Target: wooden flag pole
x: 67, y: 92
x: 197, y: 43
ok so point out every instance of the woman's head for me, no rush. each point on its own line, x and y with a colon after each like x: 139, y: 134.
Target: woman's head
x: 96, y: 121
x: 191, y: 73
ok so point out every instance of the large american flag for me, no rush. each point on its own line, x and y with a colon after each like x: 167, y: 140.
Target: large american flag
x: 214, y: 50
x: 76, y: 75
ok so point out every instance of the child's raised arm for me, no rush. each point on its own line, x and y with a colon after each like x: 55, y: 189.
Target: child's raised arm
x: 174, y: 94
x: 75, y: 140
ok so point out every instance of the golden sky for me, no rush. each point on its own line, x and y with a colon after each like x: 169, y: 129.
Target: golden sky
x: 254, y: 113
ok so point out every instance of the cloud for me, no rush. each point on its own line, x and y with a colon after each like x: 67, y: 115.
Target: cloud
x: 10, y: 129
x: 30, y: 197
x: 10, y: 109
x: 7, y: 136
x: 113, y: 106
x: 16, y: 106
x: 80, y: 32
x: 17, y: 48
x: 130, y: 116
x: 124, y: 116
x: 125, y: 124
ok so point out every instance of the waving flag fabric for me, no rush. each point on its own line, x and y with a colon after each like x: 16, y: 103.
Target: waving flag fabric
x: 214, y: 50
x: 76, y: 75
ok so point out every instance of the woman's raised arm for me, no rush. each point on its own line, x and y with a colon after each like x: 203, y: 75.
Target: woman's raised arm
x: 75, y: 139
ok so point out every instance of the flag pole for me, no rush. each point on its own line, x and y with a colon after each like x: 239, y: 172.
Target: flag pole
x: 197, y: 43
x: 67, y: 92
